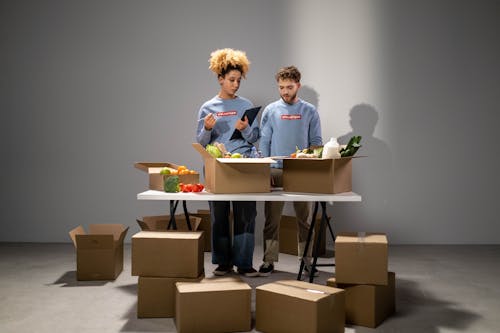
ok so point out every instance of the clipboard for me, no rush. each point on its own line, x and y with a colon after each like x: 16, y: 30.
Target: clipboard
x: 251, y: 114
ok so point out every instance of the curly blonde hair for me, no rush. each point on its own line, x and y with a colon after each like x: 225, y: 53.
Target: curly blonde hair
x: 224, y: 60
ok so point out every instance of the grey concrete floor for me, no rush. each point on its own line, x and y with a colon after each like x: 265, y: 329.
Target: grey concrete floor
x: 438, y: 289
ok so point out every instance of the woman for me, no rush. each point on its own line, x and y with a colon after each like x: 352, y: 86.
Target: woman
x: 217, y: 120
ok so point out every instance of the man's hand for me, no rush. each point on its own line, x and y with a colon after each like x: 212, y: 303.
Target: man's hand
x: 241, y: 124
x: 209, y: 121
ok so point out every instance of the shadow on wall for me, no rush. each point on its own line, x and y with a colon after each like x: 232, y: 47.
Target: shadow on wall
x: 371, y: 176
x: 310, y: 95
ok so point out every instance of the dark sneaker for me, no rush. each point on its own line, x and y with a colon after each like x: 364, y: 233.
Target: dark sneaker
x: 315, y: 272
x: 223, y: 270
x: 250, y: 272
x: 266, y: 269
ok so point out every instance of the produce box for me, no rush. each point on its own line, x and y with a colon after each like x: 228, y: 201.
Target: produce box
x: 289, y: 238
x: 99, y: 253
x: 156, y: 296
x: 368, y: 305
x: 156, y: 179
x: 361, y: 258
x: 219, y: 306
x: 167, y: 253
x: 293, y: 306
x: 235, y: 175
x: 316, y: 175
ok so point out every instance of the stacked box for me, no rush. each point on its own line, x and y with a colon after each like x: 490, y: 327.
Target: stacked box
x: 289, y: 239
x: 215, y: 305
x: 161, y: 259
x: 368, y: 305
x: 295, y: 306
x: 99, y: 253
x: 361, y: 268
x: 361, y: 258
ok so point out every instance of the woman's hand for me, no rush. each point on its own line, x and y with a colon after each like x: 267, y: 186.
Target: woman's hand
x: 209, y: 121
x: 241, y: 124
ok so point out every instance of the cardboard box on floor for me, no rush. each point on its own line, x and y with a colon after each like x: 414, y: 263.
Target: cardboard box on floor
x: 167, y: 253
x: 220, y: 306
x: 99, y: 253
x: 316, y: 175
x: 288, y: 236
x: 160, y: 223
x: 299, y: 307
x: 235, y: 175
x: 368, y: 305
x: 156, y: 180
x: 361, y: 258
x: 205, y: 226
x: 156, y: 296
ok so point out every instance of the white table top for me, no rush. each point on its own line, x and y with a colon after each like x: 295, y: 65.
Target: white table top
x: 275, y: 195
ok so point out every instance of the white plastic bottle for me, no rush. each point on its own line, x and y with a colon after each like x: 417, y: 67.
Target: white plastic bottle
x: 331, y: 149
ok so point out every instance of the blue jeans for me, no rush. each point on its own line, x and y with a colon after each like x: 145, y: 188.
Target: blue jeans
x: 239, y: 252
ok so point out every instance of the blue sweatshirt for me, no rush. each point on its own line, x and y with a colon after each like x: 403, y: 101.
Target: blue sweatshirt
x: 285, y: 127
x: 227, y: 112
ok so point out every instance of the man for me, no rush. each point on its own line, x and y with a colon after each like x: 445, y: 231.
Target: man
x: 288, y: 123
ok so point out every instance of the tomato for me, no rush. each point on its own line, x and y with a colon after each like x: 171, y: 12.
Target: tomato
x: 200, y: 186
x: 188, y: 188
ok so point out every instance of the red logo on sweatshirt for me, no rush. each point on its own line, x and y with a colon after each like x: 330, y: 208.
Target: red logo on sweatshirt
x: 227, y: 113
x: 291, y: 117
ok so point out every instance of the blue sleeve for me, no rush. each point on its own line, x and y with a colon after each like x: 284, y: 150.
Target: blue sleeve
x: 315, y: 138
x: 266, y: 133
x: 251, y: 133
x: 203, y: 136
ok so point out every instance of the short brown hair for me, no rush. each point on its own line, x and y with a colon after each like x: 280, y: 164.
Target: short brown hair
x: 288, y: 73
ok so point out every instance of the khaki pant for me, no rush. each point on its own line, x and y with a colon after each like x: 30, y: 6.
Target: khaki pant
x: 273, y: 211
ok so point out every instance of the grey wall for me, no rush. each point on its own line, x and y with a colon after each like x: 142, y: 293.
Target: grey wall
x: 89, y: 87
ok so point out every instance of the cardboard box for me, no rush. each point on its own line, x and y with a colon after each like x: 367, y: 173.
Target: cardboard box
x: 99, y: 253
x: 368, y: 305
x: 156, y: 296
x: 361, y: 258
x: 205, y: 226
x: 160, y: 223
x: 235, y: 175
x: 295, y: 306
x: 156, y: 180
x: 167, y: 253
x: 222, y: 306
x: 316, y: 175
x: 289, y: 237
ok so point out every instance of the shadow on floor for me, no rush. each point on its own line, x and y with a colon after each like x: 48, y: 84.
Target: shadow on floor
x: 418, y: 310
x: 68, y: 279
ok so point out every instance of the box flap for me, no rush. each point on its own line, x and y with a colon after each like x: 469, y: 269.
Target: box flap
x: 153, y: 167
x: 160, y: 222
x: 117, y: 230
x: 77, y: 231
x: 264, y: 160
x: 365, y: 237
x: 311, y: 292
x: 199, y: 148
x: 168, y: 234
x: 194, y: 287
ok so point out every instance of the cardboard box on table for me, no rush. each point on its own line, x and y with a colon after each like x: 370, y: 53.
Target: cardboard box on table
x: 168, y: 253
x: 368, y: 305
x: 299, y: 307
x: 156, y: 296
x: 361, y: 258
x: 235, y: 175
x: 219, y: 306
x: 288, y: 236
x: 316, y: 175
x: 99, y: 253
x: 156, y: 179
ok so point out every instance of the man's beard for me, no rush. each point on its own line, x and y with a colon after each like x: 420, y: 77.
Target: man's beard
x: 289, y: 99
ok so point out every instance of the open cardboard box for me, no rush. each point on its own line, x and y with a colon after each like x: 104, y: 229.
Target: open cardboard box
x: 316, y: 175
x: 99, y: 253
x: 156, y: 179
x: 160, y: 222
x: 236, y: 175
